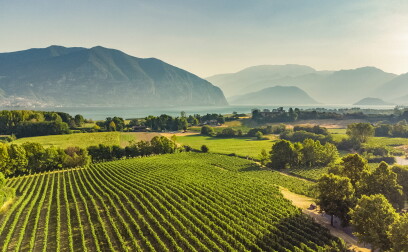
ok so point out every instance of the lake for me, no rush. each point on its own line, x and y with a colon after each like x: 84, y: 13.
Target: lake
x: 100, y: 113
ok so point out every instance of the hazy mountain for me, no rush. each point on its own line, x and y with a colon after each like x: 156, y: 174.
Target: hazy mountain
x: 100, y: 76
x: 395, y: 89
x: 341, y: 87
x: 278, y: 95
x: 259, y: 77
x: 372, y: 101
x: 347, y: 86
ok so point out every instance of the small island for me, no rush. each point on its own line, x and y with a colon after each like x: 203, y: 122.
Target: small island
x: 370, y: 101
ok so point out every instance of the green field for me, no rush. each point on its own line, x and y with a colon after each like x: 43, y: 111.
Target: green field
x: 176, y: 202
x: 85, y: 139
x: 240, y: 146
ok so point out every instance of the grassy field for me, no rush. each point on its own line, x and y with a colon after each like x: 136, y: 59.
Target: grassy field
x: 177, y: 202
x: 240, y: 146
x: 88, y: 139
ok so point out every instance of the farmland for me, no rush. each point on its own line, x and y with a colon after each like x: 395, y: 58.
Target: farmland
x: 179, y: 202
x: 240, y: 146
x: 88, y: 139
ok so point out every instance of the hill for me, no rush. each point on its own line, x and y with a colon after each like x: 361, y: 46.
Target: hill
x: 177, y: 202
x: 395, y: 89
x: 372, y: 101
x: 259, y: 77
x: 278, y: 95
x: 100, y: 76
x: 332, y: 87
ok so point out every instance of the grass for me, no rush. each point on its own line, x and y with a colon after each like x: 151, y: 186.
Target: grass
x: 240, y: 146
x: 85, y: 139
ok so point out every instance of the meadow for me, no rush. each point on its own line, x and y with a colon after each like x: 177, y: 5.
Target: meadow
x: 87, y: 139
x: 176, y: 202
x: 242, y: 146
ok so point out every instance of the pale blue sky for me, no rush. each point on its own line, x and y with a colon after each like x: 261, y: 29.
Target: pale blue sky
x: 217, y: 36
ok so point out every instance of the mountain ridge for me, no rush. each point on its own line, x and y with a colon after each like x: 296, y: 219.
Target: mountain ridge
x: 330, y: 87
x: 101, y: 76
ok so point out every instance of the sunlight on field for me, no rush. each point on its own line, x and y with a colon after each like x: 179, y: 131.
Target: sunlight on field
x: 240, y: 146
x: 87, y: 139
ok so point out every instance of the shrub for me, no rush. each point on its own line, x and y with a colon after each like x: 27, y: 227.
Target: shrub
x: 207, y: 131
x: 204, y: 148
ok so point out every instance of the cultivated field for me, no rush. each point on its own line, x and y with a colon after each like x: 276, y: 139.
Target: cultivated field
x: 240, y: 146
x: 177, y: 202
x: 88, y: 139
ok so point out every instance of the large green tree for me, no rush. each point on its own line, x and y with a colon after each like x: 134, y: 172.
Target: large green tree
x: 384, y: 181
x: 18, y: 159
x: 372, y: 219
x: 354, y: 167
x: 283, y: 154
x: 360, y: 131
x: 335, y: 196
x: 399, y: 234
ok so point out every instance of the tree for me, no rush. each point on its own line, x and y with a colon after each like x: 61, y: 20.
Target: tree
x: 372, y: 219
x: 354, y: 167
x: 360, y: 131
x: 399, y: 233
x: 79, y: 120
x: 384, y: 181
x: 312, y: 152
x: 207, y: 131
x: 263, y: 157
x: 18, y: 159
x: 335, y: 196
x: 204, y: 148
x: 259, y: 135
x: 4, y: 158
x: 283, y: 154
x: 112, y: 126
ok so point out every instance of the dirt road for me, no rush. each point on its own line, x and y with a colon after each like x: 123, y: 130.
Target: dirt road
x: 304, y: 202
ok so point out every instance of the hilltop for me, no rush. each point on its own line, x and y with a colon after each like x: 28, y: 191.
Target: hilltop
x: 277, y: 95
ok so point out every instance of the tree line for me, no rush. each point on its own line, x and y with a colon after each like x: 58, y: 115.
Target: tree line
x: 157, y: 145
x: 29, y: 158
x: 292, y: 115
x: 369, y: 200
x: 166, y: 122
x: 309, y: 153
x: 25, y: 123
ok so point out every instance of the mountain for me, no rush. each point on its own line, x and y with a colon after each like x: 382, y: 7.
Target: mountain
x: 395, y: 89
x: 277, y: 95
x: 258, y: 77
x: 332, y: 87
x: 372, y: 101
x: 100, y: 77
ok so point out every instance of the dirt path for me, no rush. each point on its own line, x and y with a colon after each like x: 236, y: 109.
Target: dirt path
x: 304, y: 202
x: 169, y: 134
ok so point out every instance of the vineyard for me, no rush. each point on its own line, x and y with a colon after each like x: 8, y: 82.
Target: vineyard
x: 178, y: 202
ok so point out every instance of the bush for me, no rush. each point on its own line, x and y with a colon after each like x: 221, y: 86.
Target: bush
x: 315, y: 129
x: 388, y: 160
x: 348, y: 144
x: 227, y: 132
x: 207, y: 131
x: 204, y: 148
x: 300, y: 136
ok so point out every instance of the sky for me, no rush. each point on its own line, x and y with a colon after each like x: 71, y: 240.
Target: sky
x: 210, y: 37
